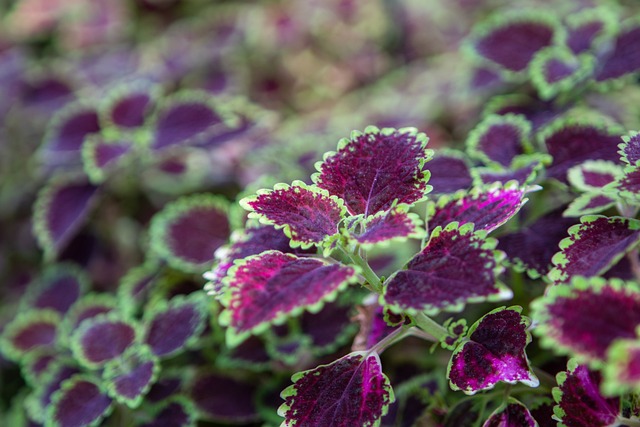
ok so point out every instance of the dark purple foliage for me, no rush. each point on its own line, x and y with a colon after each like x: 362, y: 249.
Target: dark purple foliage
x: 307, y: 214
x: 535, y: 244
x: 580, y: 37
x: 515, y: 414
x: 222, y: 398
x: 630, y: 148
x: 266, y: 287
x: 449, y: 173
x: 594, y: 246
x: 48, y: 92
x: 581, y: 403
x: 522, y: 176
x: 494, y: 352
x: 386, y: 226
x: 371, y: 170
x: 80, y: 402
x: 30, y: 331
x: 328, y: 326
x: 500, y: 138
x: 629, y: 184
x: 107, y: 153
x: 131, y: 378
x: 513, y: 42
x: 174, y: 413
x: 102, y: 339
x: 181, y: 121
x: 625, y: 57
x: 352, y: 391
x: 63, y: 142
x: 487, y: 208
x: 129, y: 111
x: 555, y: 69
x: 571, y: 144
x: 57, y: 289
x: 457, y: 266
x: 170, y: 328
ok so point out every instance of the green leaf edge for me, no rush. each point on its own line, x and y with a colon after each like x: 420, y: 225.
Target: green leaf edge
x: 52, y: 272
x: 110, y: 372
x: 575, y: 175
x: 617, y: 359
x: 517, y: 121
x: 418, y: 227
x: 19, y: 323
x: 66, y: 385
x: 85, y: 301
x: 126, y: 302
x: 548, y: 90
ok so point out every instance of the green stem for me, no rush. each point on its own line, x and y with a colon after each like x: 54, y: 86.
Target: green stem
x: 630, y: 422
x: 430, y: 326
x: 369, y: 275
x: 395, y: 336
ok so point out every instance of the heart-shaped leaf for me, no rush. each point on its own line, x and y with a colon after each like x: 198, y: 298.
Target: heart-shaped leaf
x: 594, y: 175
x: 574, y: 141
x: 102, y: 338
x: 171, y: 326
x: 39, y: 400
x: 29, y: 331
x: 58, y: 288
x: 624, y: 58
x: 587, y: 204
x: 61, y: 209
x: 511, y: 40
x: 630, y: 148
x: 65, y: 134
x: 493, y: 352
x: 579, y: 402
x: 555, y: 70
x: 487, y: 207
x: 128, y: 105
x: 187, y: 232
x: 371, y: 170
x: 272, y: 286
x: 589, y: 28
x: 395, y: 224
x: 251, y: 241
x: 498, y: 139
x: 514, y: 414
x: 567, y: 324
x: 532, y: 247
x: 594, y: 246
x: 456, y: 267
x: 352, y: 391
x: 101, y: 157
x: 87, y: 307
x: 80, y: 401
x: 307, y: 214
x: 130, y: 376
x: 450, y: 172
x: 223, y: 399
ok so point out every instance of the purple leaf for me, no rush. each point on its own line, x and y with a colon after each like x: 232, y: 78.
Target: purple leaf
x: 40, y: 399
x: 101, y: 156
x: 624, y: 59
x: 630, y: 148
x: 186, y: 118
x: 493, y: 352
x: 534, y: 245
x: 269, y: 287
x: 57, y: 288
x: 395, y: 224
x: 134, y: 288
x: 514, y: 414
x: 580, y: 403
x: 352, y: 391
x: 47, y: 93
x: 498, y: 139
x: 251, y: 241
x: 307, y: 214
x: 79, y: 402
x: 449, y: 172
x: 512, y: 40
x: 628, y: 185
x: 329, y: 328
x: 621, y: 371
x: 130, y: 376
x: 60, y: 210
x: 567, y: 324
x: 572, y: 142
x: 65, y: 134
x: 538, y: 112
x: 594, y: 246
x: 250, y: 354
x: 37, y: 364
x: 556, y: 70
x: 588, y: 28
x: 128, y: 105
x: 187, y: 231
x: 593, y: 175
x: 487, y: 207
x: 29, y: 331
x: 101, y: 339
x: 456, y: 267
x: 174, y: 325
x: 224, y: 399
x: 523, y: 175
x: 588, y: 203
x: 88, y: 307
x: 372, y: 170
x: 175, y: 412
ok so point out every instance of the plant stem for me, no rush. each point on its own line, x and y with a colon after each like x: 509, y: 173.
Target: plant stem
x: 395, y: 336
x: 630, y: 422
x: 430, y: 326
x: 369, y: 275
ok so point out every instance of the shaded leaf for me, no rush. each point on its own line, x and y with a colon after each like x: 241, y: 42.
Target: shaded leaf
x: 130, y: 376
x: 494, y: 352
x: 267, y: 288
x: 87, y: 307
x: 514, y: 414
x: 79, y: 402
x: 175, y: 412
x: 371, y: 170
x: 579, y: 400
x: 456, y: 267
x: 487, y: 207
x: 101, y: 339
x: 594, y: 246
x: 450, y: 172
x: 498, y: 139
x: 187, y: 232
x: 134, y: 288
x: 60, y: 210
x: 222, y: 398
x: 567, y: 324
x: 57, y: 288
x: 307, y: 214
x: 348, y: 392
